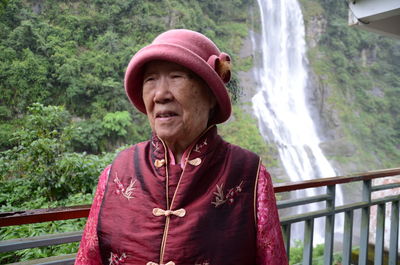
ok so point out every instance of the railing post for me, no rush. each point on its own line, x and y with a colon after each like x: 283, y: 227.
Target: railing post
x: 380, y: 234
x: 365, y: 213
x: 347, y: 237
x: 286, y: 238
x: 329, y: 225
x: 394, y: 233
x: 308, y: 241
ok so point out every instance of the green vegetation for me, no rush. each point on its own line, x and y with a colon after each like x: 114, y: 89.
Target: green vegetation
x: 311, y: 9
x: 74, y: 53
x: 42, y: 154
x: 360, y: 72
x: 242, y: 130
x: 296, y: 255
x: 71, y: 56
x: 41, y: 171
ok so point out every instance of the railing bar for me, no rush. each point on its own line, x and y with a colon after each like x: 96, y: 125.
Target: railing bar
x: 351, y: 206
x: 39, y: 241
x: 308, y: 241
x: 394, y: 234
x: 329, y: 226
x: 385, y: 187
x: 285, y: 187
x: 84, y: 210
x: 286, y: 230
x: 380, y: 234
x: 315, y: 214
x: 296, y: 202
x: 347, y: 237
x: 304, y: 217
x: 359, y: 205
x: 365, y: 215
x: 67, y: 259
x: 43, y: 215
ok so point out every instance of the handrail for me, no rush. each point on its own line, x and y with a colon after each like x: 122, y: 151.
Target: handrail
x: 315, y: 183
x: 43, y: 215
x: 331, y: 210
x: 80, y: 211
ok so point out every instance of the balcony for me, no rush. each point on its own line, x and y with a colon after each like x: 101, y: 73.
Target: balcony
x: 379, y: 199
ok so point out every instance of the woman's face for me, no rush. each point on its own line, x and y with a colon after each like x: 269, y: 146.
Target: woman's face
x: 177, y: 102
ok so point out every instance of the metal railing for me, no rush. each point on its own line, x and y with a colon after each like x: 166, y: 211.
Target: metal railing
x: 38, y: 216
x: 329, y: 212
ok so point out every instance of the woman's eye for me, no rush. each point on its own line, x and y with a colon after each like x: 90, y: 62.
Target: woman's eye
x: 148, y: 79
x: 177, y: 75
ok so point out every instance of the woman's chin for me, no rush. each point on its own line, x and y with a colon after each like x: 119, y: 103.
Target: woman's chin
x: 168, y: 135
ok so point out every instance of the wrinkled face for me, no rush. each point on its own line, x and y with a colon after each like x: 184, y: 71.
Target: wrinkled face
x: 177, y: 102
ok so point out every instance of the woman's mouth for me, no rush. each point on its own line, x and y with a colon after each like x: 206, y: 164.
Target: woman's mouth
x: 166, y: 115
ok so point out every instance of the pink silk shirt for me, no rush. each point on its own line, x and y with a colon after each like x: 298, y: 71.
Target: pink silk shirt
x: 270, y: 247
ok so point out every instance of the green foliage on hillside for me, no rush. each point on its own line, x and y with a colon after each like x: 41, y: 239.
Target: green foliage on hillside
x: 41, y: 171
x: 242, y: 130
x: 75, y: 53
x: 361, y: 72
x: 43, y: 155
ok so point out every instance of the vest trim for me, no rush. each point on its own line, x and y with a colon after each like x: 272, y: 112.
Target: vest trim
x: 164, y: 238
x: 169, y: 207
x: 255, y: 193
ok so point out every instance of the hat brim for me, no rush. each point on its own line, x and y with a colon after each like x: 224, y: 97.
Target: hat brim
x: 182, y: 56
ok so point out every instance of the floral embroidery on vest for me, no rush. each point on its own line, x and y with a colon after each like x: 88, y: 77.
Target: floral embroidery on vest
x: 156, y: 146
x: 128, y: 192
x: 199, y: 146
x: 115, y: 260
x: 203, y: 263
x: 220, y: 198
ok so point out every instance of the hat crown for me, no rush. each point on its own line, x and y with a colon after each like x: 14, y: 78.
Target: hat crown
x: 191, y: 40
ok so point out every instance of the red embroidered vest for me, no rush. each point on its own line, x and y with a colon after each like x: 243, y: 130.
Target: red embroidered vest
x: 155, y: 213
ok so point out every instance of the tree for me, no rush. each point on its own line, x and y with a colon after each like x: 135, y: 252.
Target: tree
x: 43, y: 155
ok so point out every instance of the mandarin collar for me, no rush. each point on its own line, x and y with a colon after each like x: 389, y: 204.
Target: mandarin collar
x: 199, y: 148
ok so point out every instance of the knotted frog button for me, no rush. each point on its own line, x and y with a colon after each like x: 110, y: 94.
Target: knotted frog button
x: 153, y: 263
x: 159, y: 162
x: 195, y: 162
x: 159, y: 212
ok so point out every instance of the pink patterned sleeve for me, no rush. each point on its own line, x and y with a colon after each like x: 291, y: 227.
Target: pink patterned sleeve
x: 89, y: 252
x: 270, y: 246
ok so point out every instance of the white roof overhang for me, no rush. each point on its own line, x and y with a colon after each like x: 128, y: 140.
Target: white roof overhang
x: 380, y: 16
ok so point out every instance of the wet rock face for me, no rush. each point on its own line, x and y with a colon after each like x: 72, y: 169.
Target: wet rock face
x: 315, y: 27
x: 339, y: 147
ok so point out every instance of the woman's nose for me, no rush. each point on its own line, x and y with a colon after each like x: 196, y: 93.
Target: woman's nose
x: 162, y: 93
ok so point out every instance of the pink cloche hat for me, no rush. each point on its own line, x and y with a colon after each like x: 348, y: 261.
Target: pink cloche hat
x: 191, y: 50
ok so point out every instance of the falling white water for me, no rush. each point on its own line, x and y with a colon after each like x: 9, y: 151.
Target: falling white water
x: 280, y: 103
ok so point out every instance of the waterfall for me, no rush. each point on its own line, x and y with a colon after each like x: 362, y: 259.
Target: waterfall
x: 280, y: 103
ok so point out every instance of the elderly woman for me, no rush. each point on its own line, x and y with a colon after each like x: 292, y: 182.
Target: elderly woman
x: 185, y: 196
